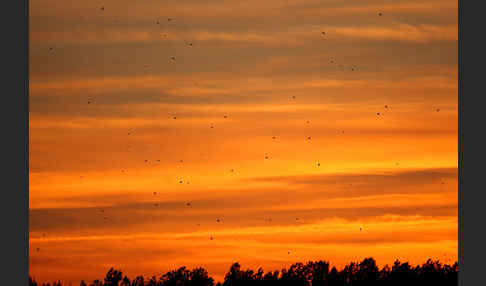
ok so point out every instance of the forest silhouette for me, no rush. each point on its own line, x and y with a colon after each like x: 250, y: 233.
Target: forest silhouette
x: 319, y: 273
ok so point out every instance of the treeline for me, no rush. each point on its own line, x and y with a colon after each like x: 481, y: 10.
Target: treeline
x: 318, y: 273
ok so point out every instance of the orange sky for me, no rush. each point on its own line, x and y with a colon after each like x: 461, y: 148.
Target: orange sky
x: 266, y: 66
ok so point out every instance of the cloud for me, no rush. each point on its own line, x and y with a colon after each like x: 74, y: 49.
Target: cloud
x: 401, y: 178
x: 348, y: 196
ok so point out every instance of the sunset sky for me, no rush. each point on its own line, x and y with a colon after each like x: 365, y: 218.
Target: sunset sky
x: 282, y: 131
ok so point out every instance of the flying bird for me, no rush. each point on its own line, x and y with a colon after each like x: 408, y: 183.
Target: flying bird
x: 318, y: 164
x: 438, y: 110
x: 386, y: 106
x: 378, y: 113
x: 217, y: 220
x: 102, y: 8
x: 273, y: 137
x: 155, y: 193
x: 173, y: 58
x: 188, y: 204
x: 379, y: 14
x: 309, y: 138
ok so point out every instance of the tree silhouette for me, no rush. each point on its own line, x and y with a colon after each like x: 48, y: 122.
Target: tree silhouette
x: 199, y: 276
x: 320, y: 272
x: 364, y: 273
x: 113, y: 277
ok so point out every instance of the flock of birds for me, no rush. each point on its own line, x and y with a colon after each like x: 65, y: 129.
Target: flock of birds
x: 267, y: 157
